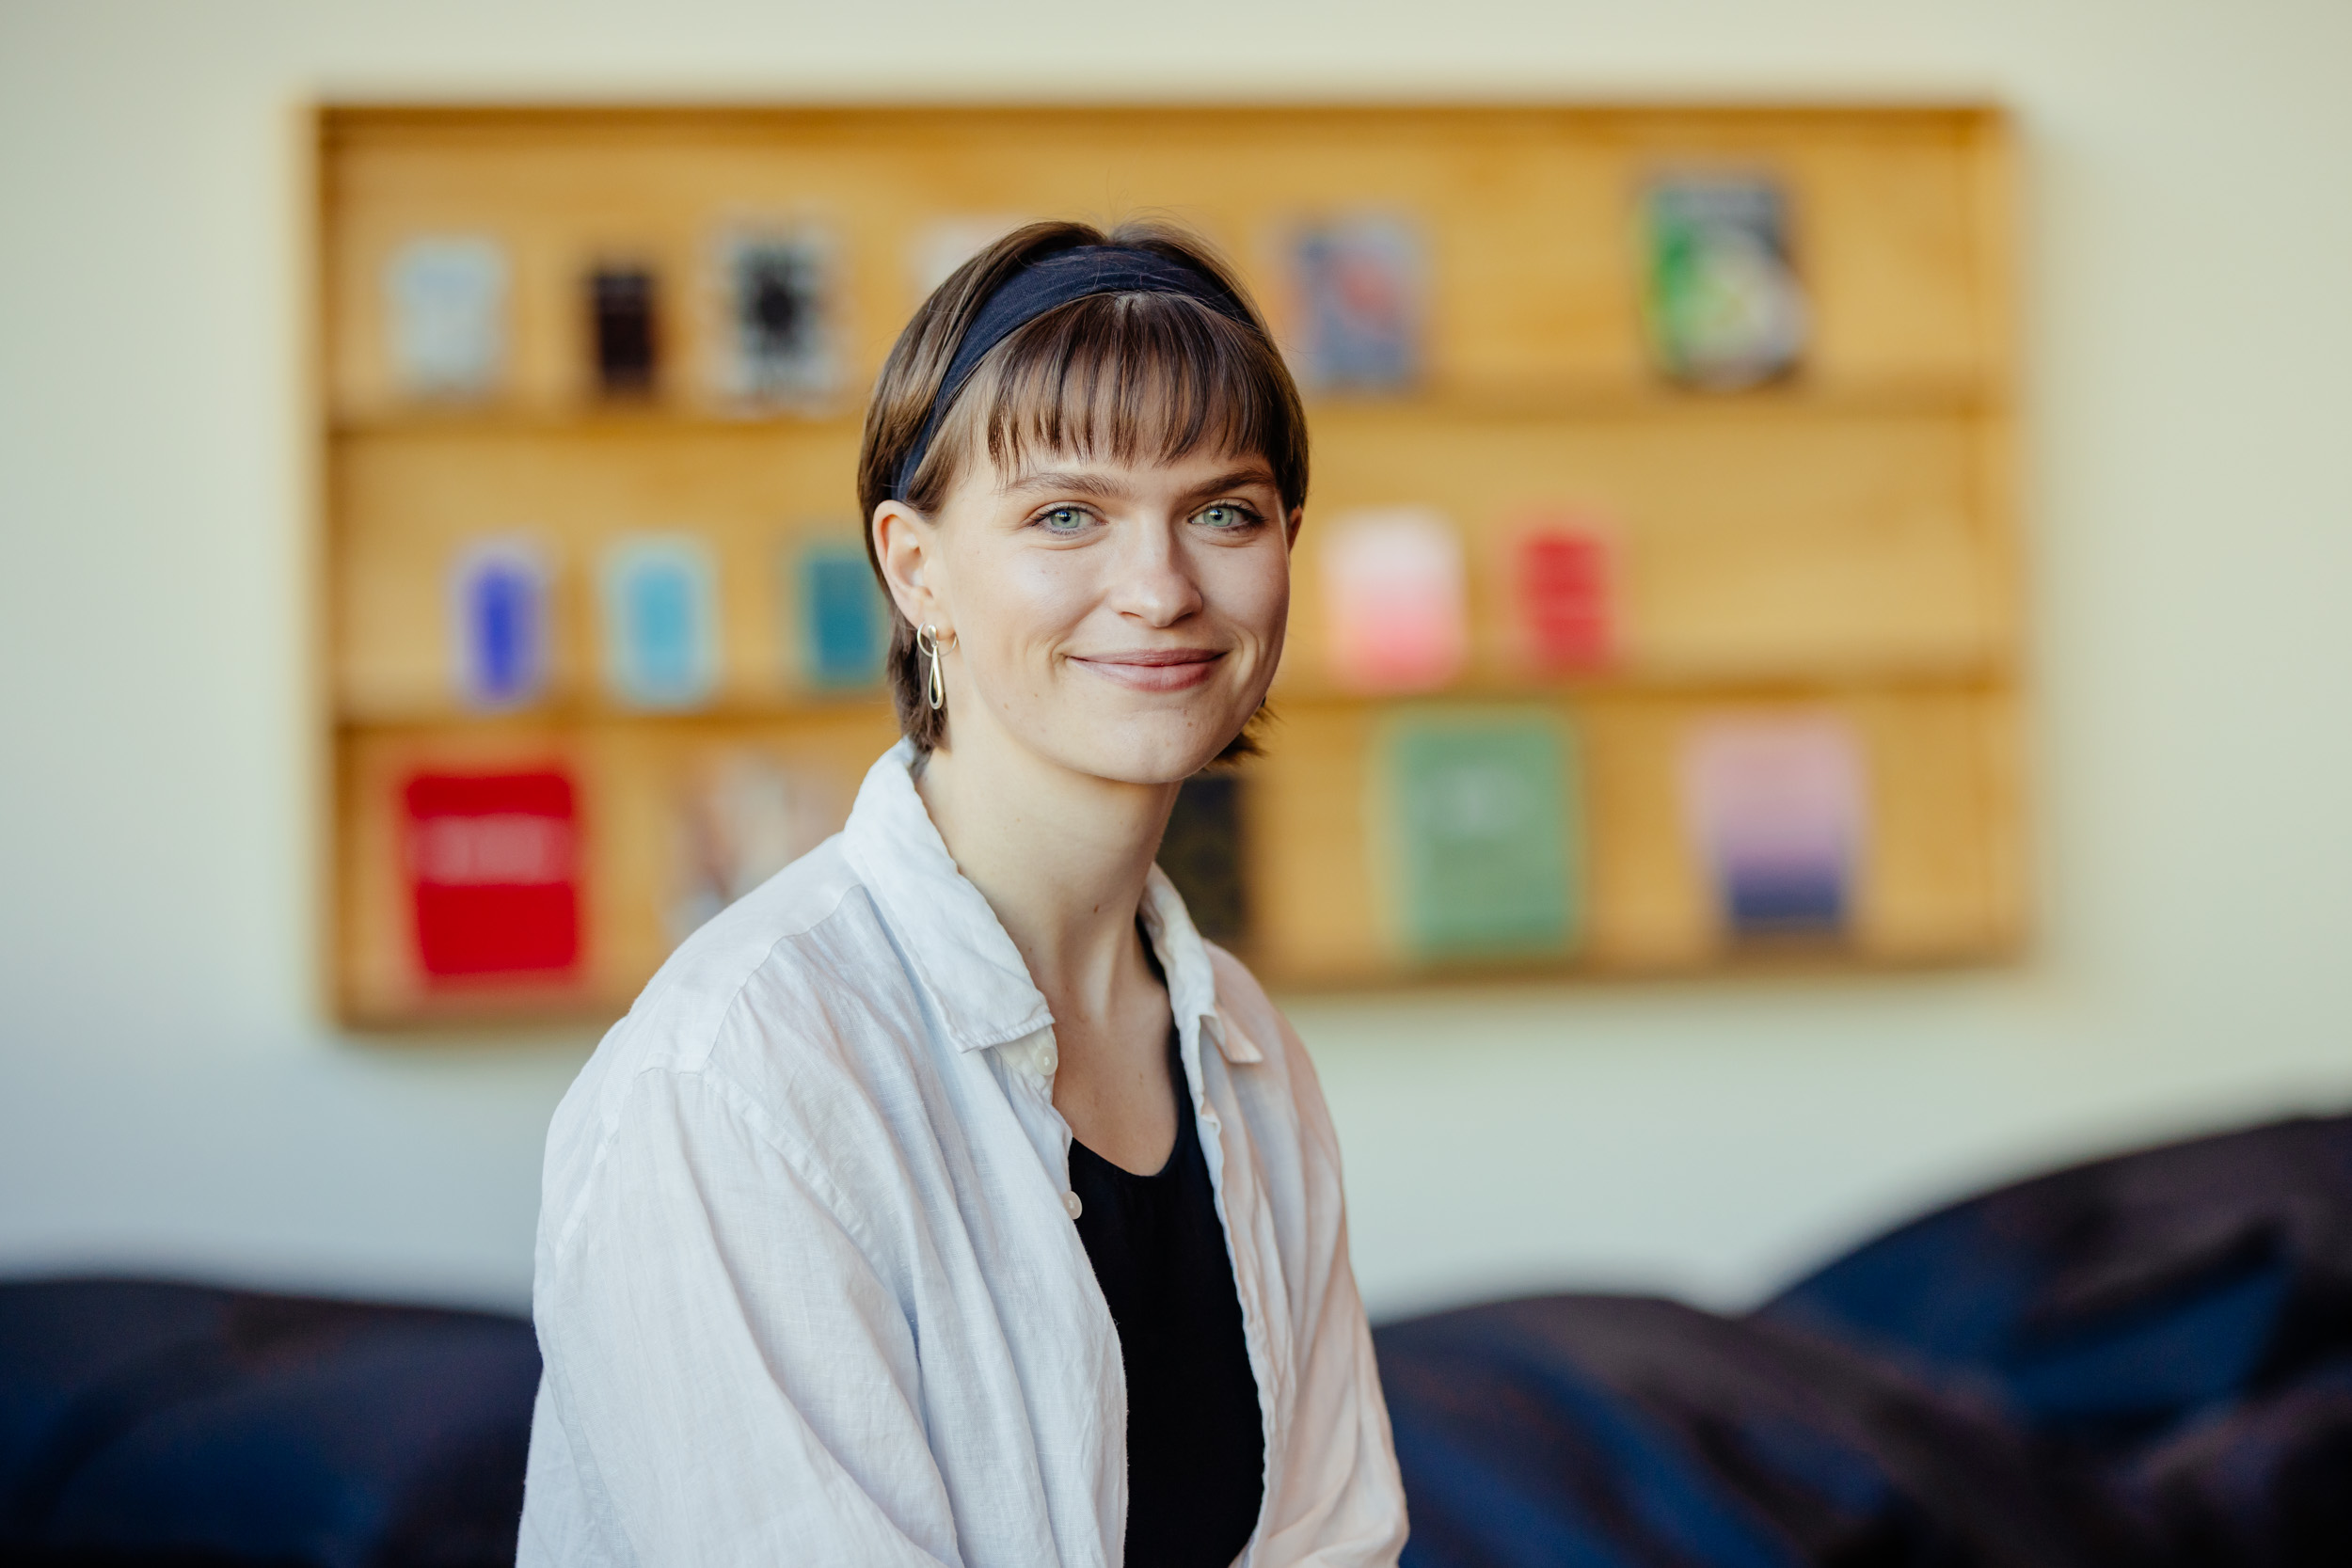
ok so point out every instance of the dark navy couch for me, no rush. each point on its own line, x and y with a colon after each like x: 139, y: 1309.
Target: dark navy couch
x: 2144, y: 1360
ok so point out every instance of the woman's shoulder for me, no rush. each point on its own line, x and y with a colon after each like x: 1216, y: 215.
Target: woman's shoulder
x: 793, y: 987
x: 1258, y: 1041
x: 1244, y: 1006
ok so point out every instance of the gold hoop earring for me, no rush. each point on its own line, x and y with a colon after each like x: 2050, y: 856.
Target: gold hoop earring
x: 926, y: 644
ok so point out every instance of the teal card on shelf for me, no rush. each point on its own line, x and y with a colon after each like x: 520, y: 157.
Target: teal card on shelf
x: 661, y: 621
x: 843, y: 629
x: 1483, y: 813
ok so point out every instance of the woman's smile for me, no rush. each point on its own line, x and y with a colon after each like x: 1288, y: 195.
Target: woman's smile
x: 1154, y: 669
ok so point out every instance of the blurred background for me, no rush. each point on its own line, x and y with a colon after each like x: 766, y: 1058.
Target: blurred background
x: 204, y: 1072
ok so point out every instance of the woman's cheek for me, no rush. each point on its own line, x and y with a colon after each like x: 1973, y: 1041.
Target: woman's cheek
x: 1255, y: 595
x: 1045, y: 593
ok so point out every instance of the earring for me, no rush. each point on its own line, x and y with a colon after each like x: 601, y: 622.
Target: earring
x: 926, y: 644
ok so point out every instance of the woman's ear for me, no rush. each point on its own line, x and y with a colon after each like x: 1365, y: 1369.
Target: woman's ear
x: 906, y: 545
x: 1290, y: 527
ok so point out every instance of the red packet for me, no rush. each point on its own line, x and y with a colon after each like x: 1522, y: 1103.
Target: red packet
x: 1566, y: 594
x: 493, y: 863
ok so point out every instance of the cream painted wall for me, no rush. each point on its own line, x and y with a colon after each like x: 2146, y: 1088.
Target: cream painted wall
x: 170, y: 1097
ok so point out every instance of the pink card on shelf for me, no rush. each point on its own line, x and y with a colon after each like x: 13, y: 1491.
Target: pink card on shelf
x: 1565, y: 571
x: 1777, y: 805
x: 1395, y: 591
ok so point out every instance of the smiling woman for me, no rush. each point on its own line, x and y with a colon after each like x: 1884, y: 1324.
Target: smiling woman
x: 1173, y: 371
x: 949, y: 1199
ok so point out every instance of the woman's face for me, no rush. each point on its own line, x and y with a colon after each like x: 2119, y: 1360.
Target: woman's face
x: 1121, y: 620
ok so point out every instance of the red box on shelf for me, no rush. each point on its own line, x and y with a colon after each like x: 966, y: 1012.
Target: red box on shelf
x: 493, y: 864
x: 1566, y: 595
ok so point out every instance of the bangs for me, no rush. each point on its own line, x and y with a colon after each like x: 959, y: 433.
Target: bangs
x: 1128, y: 378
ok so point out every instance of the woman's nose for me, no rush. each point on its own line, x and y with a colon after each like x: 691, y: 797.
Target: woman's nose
x: 1153, y: 581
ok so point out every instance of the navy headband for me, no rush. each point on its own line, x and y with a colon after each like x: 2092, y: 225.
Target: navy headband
x: 1047, y: 284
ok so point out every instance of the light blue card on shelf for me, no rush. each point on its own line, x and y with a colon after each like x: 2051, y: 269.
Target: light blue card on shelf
x: 446, y: 299
x: 843, y: 626
x: 498, y: 623
x: 1481, y: 814
x: 661, y: 621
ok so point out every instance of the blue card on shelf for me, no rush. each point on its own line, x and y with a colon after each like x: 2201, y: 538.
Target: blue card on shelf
x: 843, y: 626
x: 1479, y: 812
x: 1358, y: 284
x: 661, y: 621
x: 497, y: 621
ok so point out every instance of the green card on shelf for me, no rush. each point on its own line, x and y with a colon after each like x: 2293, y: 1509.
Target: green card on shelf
x: 1482, y: 807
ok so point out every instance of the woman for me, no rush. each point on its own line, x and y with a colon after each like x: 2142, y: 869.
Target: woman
x: 947, y: 1200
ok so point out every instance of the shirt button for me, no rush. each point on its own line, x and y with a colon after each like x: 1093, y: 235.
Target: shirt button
x: 1069, y: 1201
x: 1048, y: 1059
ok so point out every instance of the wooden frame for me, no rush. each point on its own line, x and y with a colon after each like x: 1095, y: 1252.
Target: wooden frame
x: 1840, y: 542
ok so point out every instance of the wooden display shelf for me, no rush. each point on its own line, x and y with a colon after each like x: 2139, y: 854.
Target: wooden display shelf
x: 1839, y: 542
x: 1941, y: 870
x: 600, y: 417
x: 1858, y: 543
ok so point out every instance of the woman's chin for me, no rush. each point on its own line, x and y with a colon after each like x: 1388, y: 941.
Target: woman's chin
x: 1150, y: 749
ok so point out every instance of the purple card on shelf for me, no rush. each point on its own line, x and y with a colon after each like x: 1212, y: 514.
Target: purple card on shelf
x: 498, y: 623
x: 1777, y: 806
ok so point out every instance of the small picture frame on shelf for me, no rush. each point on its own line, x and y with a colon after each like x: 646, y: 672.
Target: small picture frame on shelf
x: 660, y: 620
x: 1562, y: 570
x: 741, y: 814
x: 1778, y: 809
x: 1358, y: 303
x: 1479, y: 803
x: 625, y: 328
x: 1204, y: 854
x: 1720, y: 297
x: 1395, y: 593
x: 498, y: 634
x: 445, y: 300
x: 492, y: 863
x: 943, y: 244
x: 844, y: 621
x: 777, y: 343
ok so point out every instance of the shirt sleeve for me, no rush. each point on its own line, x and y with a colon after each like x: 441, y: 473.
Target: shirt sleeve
x: 732, y: 1380
x: 1341, y: 1503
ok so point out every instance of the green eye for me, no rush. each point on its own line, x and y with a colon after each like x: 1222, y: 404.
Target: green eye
x: 1224, y: 517
x: 1064, y: 520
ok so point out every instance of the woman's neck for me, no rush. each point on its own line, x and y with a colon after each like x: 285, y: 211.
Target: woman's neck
x: 1062, y: 858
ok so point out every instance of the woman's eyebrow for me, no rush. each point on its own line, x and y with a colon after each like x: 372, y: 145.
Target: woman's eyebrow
x: 1234, y: 480
x: 1080, y: 484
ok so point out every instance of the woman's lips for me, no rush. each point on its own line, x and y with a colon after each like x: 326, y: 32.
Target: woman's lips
x: 1155, y: 669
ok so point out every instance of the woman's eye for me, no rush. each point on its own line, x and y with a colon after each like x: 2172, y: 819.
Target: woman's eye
x: 1227, y: 517
x: 1065, y: 519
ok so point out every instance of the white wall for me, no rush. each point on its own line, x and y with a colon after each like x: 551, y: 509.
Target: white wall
x: 170, y: 1098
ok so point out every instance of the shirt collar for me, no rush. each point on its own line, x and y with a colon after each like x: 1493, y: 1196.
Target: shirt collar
x: 960, y: 952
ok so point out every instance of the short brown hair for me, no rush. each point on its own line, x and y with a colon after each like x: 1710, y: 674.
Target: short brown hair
x: 1124, y: 374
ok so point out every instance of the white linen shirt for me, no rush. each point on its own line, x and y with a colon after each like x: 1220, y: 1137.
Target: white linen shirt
x: 808, y: 1288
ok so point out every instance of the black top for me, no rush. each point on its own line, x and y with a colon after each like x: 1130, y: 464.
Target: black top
x: 1196, y: 1453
